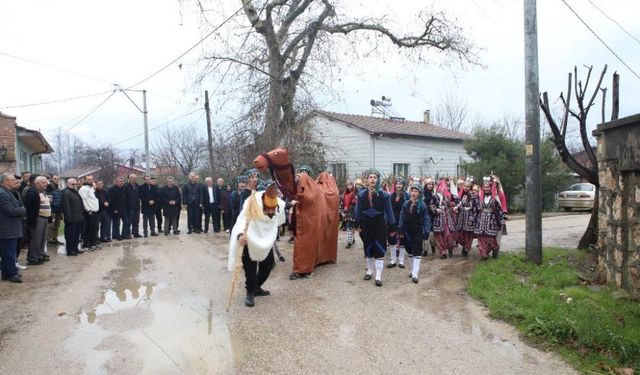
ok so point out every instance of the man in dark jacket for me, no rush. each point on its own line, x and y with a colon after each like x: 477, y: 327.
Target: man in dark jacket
x: 38, y: 212
x: 133, y: 207
x: 170, y: 198
x: 72, y: 209
x: 118, y: 206
x: 150, y: 202
x: 192, y: 198
x: 56, y: 210
x: 11, y: 214
x: 104, y: 213
x: 152, y: 180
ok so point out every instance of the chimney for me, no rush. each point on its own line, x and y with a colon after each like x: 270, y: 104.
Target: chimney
x: 427, y: 117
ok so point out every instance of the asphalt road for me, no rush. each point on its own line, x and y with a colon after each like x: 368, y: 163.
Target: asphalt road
x: 157, y: 306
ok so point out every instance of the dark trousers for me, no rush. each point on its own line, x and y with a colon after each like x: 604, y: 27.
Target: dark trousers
x: 150, y: 220
x: 105, y: 225
x: 226, y: 219
x: 8, y: 254
x: 90, y: 232
x: 116, y: 219
x: 256, y: 273
x: 194, y: 217
x: 159, y: 218
x: 133, y: 226
x: 72, y: 236
x: 170, y: 221
x: 212, y: 211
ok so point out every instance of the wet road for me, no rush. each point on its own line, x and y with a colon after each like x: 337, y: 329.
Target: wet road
x: 156, y: 306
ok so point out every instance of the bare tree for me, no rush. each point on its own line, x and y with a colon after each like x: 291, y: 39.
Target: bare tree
x: 451, y: 112
x: 106, y: 158
x: 559, y: 136
x: 292, y: 44
x: 181, y: 149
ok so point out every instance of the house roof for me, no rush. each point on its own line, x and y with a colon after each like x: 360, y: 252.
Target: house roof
x: 79, y: 172
x: 34, y: 139
x: 385, y: 126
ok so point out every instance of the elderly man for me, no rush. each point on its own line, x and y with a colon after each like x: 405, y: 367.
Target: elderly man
x: 72, y: 209
x: 170, y: 198
x: 153, y: 182
x: 217, y: 210
x: 104, y: 213
x: 118, y: 205
x: 192, y: 198
x: 210, y: 202
x: 133, y: 207
x: 150, y: 202
x: 91, y: 207
x: 53, y: 189
x: 38, y: 208
x: 11, y: 214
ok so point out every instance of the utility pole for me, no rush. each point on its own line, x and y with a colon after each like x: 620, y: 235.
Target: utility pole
x: 533, y: 190
x: 146, y: 133
x: 210, y: 143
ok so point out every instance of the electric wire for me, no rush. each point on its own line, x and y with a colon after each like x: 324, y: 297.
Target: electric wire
x: 56, y: 100
x: 86, y: 116
x: 614, y: 21
x: 157, y: 126
x: 601, y: 40
x: 54, y: 67
x: 187, y: 51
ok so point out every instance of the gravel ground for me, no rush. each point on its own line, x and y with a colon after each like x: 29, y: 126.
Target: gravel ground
x: 157, y: 306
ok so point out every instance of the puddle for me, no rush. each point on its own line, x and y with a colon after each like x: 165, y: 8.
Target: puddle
x: 143, y: 328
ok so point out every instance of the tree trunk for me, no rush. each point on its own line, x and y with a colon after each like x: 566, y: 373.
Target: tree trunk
x: 590, y: 236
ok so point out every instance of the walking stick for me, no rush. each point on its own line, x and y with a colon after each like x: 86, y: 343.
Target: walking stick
x: 236, y: 269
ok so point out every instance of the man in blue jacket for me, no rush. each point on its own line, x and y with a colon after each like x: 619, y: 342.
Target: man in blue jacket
x: 56, y: 210
x: 11, y: 214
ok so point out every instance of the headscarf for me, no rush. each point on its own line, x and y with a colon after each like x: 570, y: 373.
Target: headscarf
x: 443, y: 188
x: 378, y: 188
x: 419, y: 203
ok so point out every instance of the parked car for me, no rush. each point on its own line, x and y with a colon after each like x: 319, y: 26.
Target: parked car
x: 581, y: 195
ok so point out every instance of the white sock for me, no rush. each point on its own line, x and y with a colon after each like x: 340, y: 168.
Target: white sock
x: 379, y: 266
x: 392, y: 254
x: 401, y: 256
x: 415, y: 269
x: 370, y: 265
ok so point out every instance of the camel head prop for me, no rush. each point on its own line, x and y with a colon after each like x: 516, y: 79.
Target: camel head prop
x: 277, y: 163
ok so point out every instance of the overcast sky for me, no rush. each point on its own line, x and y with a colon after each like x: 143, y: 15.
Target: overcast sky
x: 124, y: 41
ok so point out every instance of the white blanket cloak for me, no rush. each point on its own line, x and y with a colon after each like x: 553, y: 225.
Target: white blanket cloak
x: 261, y: 233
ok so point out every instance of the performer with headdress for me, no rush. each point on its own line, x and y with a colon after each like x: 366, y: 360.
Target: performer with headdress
x: 467, y: 209
x: 490, y: 220
x: 444, y: 227
x: 253, y: 236
x: 375, y: 221
x: 396, y: 243
x: 348, y: 207
x: 414, y: 226
x: 428, y: 192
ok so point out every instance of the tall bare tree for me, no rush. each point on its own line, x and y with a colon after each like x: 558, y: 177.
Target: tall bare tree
x: 451, y: 112
x: 182, y: 149
x: 559, y: 135
x: 289, y: 45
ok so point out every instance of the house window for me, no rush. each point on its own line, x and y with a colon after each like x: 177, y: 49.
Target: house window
x: 339, y: 172
x: 401, y: 170
x: 24, y: 166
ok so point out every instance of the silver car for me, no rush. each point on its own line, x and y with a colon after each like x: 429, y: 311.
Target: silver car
x: 581, y: 195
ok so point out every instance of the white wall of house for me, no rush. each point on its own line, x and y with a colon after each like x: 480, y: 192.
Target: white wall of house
x: 360, y: 151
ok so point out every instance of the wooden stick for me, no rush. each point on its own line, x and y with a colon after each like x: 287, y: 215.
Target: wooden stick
x: 236, y: 269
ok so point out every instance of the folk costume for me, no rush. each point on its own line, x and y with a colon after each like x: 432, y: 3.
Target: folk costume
x: 467, y: 210
x: 489, y: 223
x: 414, y: 225
x: 444, y: 226
x: 429, y: 190
x: 396, y: 242
x: 259, y: 229
x: 348, y: 210
x: 374, y: 217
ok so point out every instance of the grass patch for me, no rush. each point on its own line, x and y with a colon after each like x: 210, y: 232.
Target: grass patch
x: 589, y: 327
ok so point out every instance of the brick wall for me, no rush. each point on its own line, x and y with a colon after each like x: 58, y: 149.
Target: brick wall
x: 619, y: 208
x: 8, y: 140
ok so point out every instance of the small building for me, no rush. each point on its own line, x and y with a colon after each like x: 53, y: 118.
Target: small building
x: 393, y: 146
x: 21, y: 149
x: 619, y: 202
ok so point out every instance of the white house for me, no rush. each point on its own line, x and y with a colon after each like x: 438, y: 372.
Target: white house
x: 355, y: 143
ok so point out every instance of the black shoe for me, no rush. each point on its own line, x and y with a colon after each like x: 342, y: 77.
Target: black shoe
x: 35, y: 262
x: 443, y: 256
x: 401, y: 265
x: 248, y: 301
x: 494, y: 254
x: 450, y: 252
x: 465, y: 253
x: 484, y: 258
x: 348, y: 246
x: 126, y: 237
x: 14, y: 279
x: 137, y: 236
x: 296, y: 276
x: 378, y: 282
x: 391, y: 265
x: 79, y: 252
x: 145, y: 235
x: 166, y: 233
x: 72, y: 254
x: 119, y: 238
x: 206, y: 230
x: 415, y: 280
x: 154, y: 234
x: 281, y: 258
x: 197, y: 231
x: 176, y: 232
x: 190, y: 231
x: 217, y: 231
x: 367, y: 277
x: 261, y: 292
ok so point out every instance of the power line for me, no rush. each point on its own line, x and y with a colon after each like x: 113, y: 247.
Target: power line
x: 159, y: 126
x: 188, y: 50
x: 600, y: 39
x: 614, y: 21
x: 89, y: 113
x: 54, y: 67
x: 56, y: 100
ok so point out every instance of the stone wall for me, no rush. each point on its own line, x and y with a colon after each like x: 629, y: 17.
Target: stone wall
x: 8, y: 140
x: 619, y: 206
